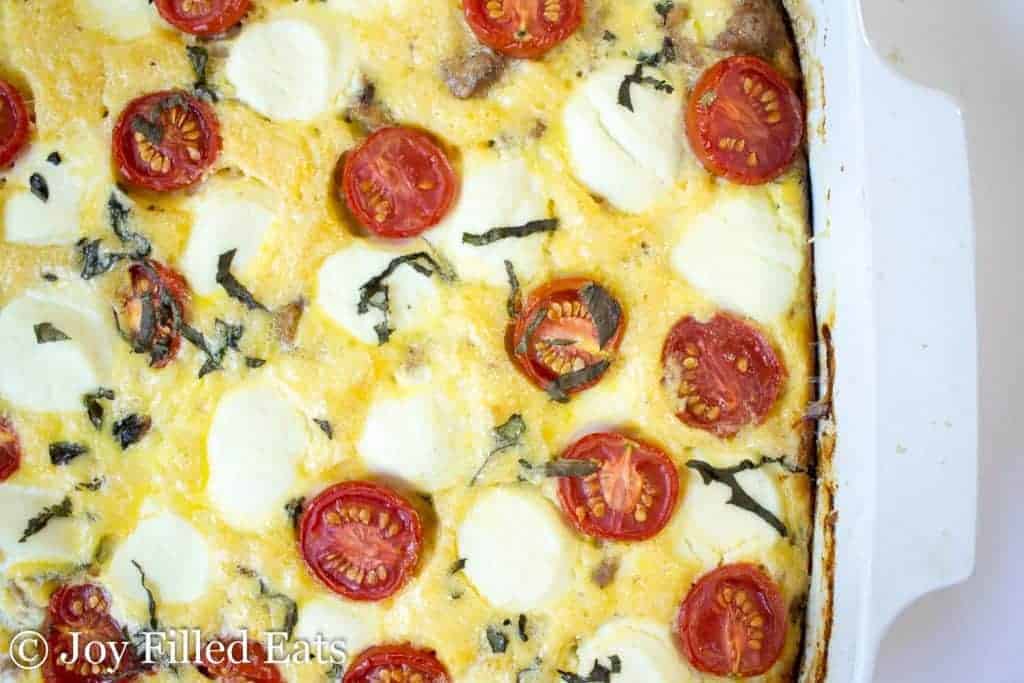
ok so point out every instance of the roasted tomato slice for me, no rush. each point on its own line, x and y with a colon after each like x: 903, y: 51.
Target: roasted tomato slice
x: 202, y: 17
x: 630, y: 498
x: 14, y: 123
x: 398, y: 182
x: 224, y: 665
x: 745, y: 122
x: 361, y: 540
x: 10, y: 449
x: 396, y: 663
x: 83, y: 612
x: 523, y: 28
x: 564, y: 337
x: 166, y: 140
x: 722, y: 374
x: 733, y: 622
x: 157, y: 300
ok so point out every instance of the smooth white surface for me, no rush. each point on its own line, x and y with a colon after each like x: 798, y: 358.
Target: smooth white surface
x: 30, y: 220
x: 972, y: 632
x: 644, y: 647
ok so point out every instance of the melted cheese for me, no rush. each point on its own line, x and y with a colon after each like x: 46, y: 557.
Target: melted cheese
x: 63, y: 539
x: 120, y: 19
x: 54, y: 376
x: 333, y: 619
x: 28, y: 219
x: 645, y: 652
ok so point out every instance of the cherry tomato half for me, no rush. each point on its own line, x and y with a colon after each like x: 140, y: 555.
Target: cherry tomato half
x: 722, y: 374
x: 396, y: 663
x: 361, y: 540
x: 10, y: 449
x: 14, y: 123
x: 744, y: 121
x: 224, y: 665
x: 567, y: 329
x: 166, y: 140
x: 83, y: 612
x: 631, y: 497
x: 523, y: 28
x: 733, y: 622
x: 202, y: 17
x: 158, y: 298
x: 398, y: 182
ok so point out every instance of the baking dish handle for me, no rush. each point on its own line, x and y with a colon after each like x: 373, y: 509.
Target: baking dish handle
x: 919, y: 207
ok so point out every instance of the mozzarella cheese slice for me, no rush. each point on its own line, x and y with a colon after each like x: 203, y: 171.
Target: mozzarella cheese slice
x: 413, y: 296
x: 739, y: 254
x: 333, y: 620
x: 707, y: 527
x: 518, y: 553
x: 63, y: 539
x: 174, y: 556
x: 288, y: 70
x: 226, y: 215
x: 252, y: 450
x: 121, y: 19
x: 645, y: 651
x: 496, y: 192
x: 54, y: 376
x: 628, y: 157
x: 28, y: 219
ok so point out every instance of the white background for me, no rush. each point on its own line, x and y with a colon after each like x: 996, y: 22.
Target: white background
x: 974, y: 49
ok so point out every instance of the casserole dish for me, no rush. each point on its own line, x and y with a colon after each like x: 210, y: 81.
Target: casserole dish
x: 894, y: 268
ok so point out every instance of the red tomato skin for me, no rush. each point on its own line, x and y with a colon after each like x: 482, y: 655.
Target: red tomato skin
x: 418, y: 214
x: 720, y: 330
x: 702, y: 622
x: 256, y: 670
x: 503, y: 39
x: 10, y: 449
x: 592, y: 447
x: 13, y: 135
x: 364, y: 667
x: 408, y: 542
x: 184, y: 172
x: 212, y: 24
x: 518, y: 326
x: 699, y: 121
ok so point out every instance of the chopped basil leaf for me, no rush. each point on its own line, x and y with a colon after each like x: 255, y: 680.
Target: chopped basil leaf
x: 375, y: 294
x: 150, y: 600
x: 151, y: 130
x: 46, y: 333
x: 93, y: 407
x: 253, y: 362
x: 63, y: 452
x: 559, y: 389
x: 39, y: 187
x: 39, y: 522
x: 199, y: 58
x: 95, y: 261
x: 525, y: 230
x: 294, y: 508
x: 325, y: 427
x: 497, y: 640
x: 50, y: 277
x: 119, y: 216
x: 234, y: 288
x: 291, y: 609
x: 604, y: 309
x: 565, y: 467
x: 230, y: 335
x: 638, y: 78
x: 740, y: 498
x: 130, y: 430
x: 459, y: 565
x: 515, y: 295
x: 54, y: 158
x: 599, y: 674
x: 608, y: 36
x: 524, y: 343
x: 604, y: 574
x: 523, y: 636
x: 94, y: 484
x: 663, y: 7
x: 506, y: 436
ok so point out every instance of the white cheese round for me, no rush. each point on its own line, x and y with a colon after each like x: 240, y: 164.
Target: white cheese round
x: 741, y: 256
x: 121, y: 19
x: 519, y: 554
x: 226, y: 215
x: 28, y: 219
x: 413, y: 296
x: 496, y: 192
x: 336, y: 620
x: 644, y: 648
x: 53, y: 377
x: 253, y: 448
x: 628, y: 157
x: 63, y: 539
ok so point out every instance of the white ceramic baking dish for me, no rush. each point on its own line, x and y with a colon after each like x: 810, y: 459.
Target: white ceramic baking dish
x: 894, y: 264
